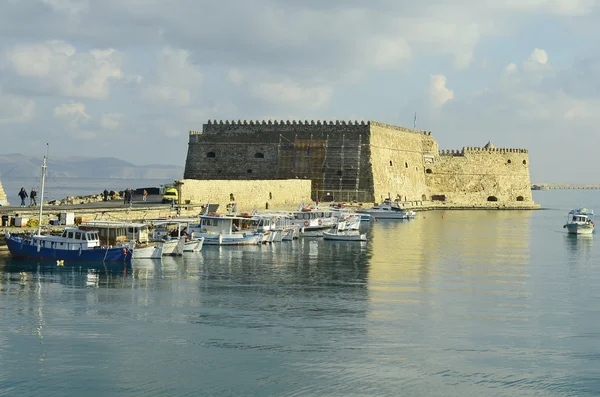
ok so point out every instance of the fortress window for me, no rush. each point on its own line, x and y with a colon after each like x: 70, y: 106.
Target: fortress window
x: 391, y: 163
x: 524, y: 162
x: 405, y: 164
x: 438, y: 197
x: 211, y: 154
x: 520, y: 198
x: 508, y: 162
x: 423, y: 198
x: 492, y: 198
x: 428, y: 171
x: 249, y: 171
x: 259, y: 155
x: 339, y: 173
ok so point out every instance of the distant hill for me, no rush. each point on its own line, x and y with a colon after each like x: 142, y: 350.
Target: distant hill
x: 22, y: 166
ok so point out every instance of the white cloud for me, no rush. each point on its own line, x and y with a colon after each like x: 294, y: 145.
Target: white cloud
x: 73, y: 115
x: 111, y: 121
x: 538, y: 60
x: 235, y: 76
x: 439, y: 94
x: 388, y: 52
x: 176, y: 79
x: 288, y: 92
x: 56, y: 66
x: 511, y: 68
x: 15, y: 109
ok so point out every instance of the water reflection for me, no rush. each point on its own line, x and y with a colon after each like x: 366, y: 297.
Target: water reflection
x: 579, y: 247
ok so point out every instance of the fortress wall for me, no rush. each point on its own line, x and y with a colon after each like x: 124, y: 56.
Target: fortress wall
x: 328, y: 153
x: 247, y: 194
x: 3, y: 199
x: 472, y: 175
x: 397, y: 162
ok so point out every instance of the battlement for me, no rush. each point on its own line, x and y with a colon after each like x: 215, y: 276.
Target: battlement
x: 398, y: 128
x: 469, y: 149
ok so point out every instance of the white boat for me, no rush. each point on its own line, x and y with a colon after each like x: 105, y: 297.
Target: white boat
x: 175, y: 237
x: 135, y: 235
x: 225, y: 230
x: 579, y: 221
x: 343, y: 233
x: 388, y: 210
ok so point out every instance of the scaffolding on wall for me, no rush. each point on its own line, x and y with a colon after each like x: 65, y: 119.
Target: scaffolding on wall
x: 332, y: 164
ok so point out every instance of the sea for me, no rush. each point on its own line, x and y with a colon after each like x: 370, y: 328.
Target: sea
x: 57, y: 188
x: 452, y: 303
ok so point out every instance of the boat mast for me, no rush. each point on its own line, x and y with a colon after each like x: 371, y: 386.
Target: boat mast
x: 39, y: 231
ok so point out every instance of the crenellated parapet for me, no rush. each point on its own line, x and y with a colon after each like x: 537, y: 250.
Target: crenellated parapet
x: 453, y: 152
x: 496, y: 150
x: 250, y: 126
x: 399, y: 128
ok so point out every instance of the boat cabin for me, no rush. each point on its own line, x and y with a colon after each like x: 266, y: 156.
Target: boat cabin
x: 70, y: 239
x: 113, y: 232
x: 223, y: 225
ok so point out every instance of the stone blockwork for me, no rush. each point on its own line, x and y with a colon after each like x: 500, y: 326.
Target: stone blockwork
x: 3, y: 199
x: 366, y: 161
x: 247, y: 194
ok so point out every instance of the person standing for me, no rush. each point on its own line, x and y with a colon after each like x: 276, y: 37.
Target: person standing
x: 145, y: 195
x: 23, y: 196
x: 32, y: 196
x: 105, y: 193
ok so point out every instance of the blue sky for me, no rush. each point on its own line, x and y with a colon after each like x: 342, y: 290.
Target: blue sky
x: 130, y: 78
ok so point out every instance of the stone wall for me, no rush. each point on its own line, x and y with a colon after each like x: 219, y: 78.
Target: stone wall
x: 3, y: 199
x: 397, y: 162
x: 476, y: 175
x: 279, y: 194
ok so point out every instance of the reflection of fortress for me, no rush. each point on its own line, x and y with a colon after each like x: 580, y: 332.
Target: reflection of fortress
x: 366, y: 161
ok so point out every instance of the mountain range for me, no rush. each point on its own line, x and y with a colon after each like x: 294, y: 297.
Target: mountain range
x: 23, y: 166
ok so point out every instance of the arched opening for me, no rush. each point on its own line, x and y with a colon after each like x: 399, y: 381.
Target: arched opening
x: 492, y: 198
x: 524, y: 162
x: 428, y: 171
x: 405, y: 164
x: 438, y: 197
x: 249, y: 171
x: 423, y: 197
x: 270, y: 196
x: 259, y: 155
x: 508, y: 162
x: 391, y: 164
x: 520, y: 198
x: 211, y: 154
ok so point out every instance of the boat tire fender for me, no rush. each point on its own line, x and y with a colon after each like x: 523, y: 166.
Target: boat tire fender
x: 306, y: 223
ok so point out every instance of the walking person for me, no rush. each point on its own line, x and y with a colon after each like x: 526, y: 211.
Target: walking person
x: 105, y: 193
x: 145, y: 195
x: 32, y: 196
x: 23, y: 195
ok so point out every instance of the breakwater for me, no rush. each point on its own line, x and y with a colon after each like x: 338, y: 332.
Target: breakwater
x: 549, y: 186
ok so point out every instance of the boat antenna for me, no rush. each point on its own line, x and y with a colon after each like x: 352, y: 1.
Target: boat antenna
x: 39, y: 231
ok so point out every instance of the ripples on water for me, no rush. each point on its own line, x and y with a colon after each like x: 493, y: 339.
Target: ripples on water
x: 452, y: 303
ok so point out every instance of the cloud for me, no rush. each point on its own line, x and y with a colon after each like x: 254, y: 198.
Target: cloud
x: 176, y: 79
x: 111, y: 121
x: 15, y: 109
x: 538, y: 60
x: 56, y: 67
x: 439, y: 94
x: 235, y: 76
x: 292, y: 93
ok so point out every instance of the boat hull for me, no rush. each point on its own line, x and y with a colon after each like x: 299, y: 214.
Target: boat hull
x: 250, y: 239
x: 573, y: 228
x: 150, y: 252
x: 344, y: 236
x: 28, y: 249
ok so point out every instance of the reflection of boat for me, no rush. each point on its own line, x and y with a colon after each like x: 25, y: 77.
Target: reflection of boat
x: 579, y: 221
x: 388, y: 210
x: 342, y: 233
x: 72, y: 244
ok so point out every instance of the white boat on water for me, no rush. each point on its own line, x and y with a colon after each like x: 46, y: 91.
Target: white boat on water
x: 225, y: 230
x: 135, y: 235
x: 174, y: 236
x: 387, y: 210
x: 343, y: 233
x: 579, y: 221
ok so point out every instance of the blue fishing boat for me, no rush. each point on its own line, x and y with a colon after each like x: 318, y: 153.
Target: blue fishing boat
x: 72, y: 244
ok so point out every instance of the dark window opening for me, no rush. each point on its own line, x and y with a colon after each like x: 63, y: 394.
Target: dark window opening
x: 520, y: 198
x: 211, y: 154
x: 508, y: 162
x: 391, y: 163
x: 339, y: 173
x: 438, y: 197
x: 249, y: 171
x: 428, y: 171
x: 423, y: 197
x: 259, y: 155
x: 492, y: 198
x: 524, y: 162
x: 405, y: 164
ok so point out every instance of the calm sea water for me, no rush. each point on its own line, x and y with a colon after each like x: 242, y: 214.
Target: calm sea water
x: 464, y: 303
x: 59, y: 188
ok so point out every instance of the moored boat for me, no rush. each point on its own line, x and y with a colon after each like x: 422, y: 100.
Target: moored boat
x: 387, y: 210
x: 343, y: 233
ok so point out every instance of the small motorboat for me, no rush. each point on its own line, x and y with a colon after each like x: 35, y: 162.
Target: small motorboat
x: 342, y: 233
x: 579, y: 221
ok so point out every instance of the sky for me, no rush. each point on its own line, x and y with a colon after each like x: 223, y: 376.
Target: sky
x: 129, y: 78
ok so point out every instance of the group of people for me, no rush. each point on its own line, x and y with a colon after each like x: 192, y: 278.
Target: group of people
x: 129, y: 196
x: 32, y: 197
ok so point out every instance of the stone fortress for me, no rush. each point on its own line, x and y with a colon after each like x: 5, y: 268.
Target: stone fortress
x: 351, y: 161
